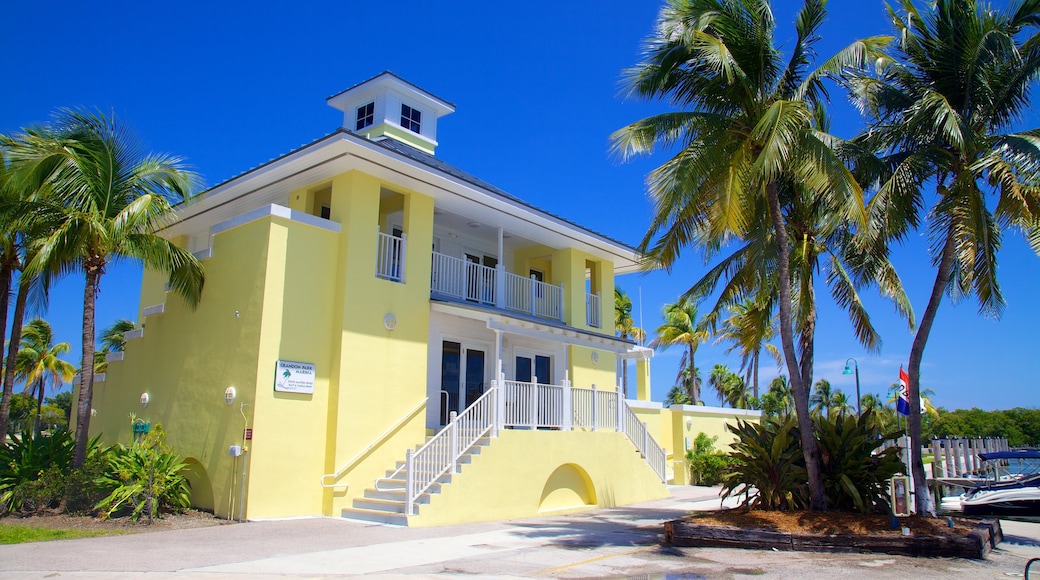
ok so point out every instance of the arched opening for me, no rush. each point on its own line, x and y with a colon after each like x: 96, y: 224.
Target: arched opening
x: 569, y: 486
x: 201, y: 488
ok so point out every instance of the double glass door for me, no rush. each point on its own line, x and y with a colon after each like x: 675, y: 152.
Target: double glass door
x: 463, y: 376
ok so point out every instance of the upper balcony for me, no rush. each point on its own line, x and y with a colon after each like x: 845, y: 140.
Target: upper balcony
x: 469, y: 265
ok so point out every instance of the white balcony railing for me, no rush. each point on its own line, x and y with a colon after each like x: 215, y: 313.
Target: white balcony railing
x: 466, y: 280
x: 592, y: 314
x: 390, y: 253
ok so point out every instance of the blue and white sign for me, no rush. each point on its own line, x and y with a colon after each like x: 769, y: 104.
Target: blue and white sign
x: 294, y: 377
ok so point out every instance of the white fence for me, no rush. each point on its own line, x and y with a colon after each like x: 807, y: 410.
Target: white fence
x: 390, y: 254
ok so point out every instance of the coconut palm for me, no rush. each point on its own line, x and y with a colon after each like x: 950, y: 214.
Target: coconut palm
x: 624, y: 327
x: 750, y: 327
x: 750, y: 124
x: 730, y: 388
x: 682, y: 327
x: 841, y: 406
x: 39, y: 363
x: 106, y: 200
x: 942, y: 108
x: 822, y: 399
x: 778, y: 400
x: 677, y: 396
x: 112, y: 340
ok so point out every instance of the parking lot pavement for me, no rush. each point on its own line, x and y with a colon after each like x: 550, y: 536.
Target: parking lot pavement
x: 607, y: 543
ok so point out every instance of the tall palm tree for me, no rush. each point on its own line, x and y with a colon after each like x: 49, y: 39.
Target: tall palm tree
x: 731, y: 389
x: 112, y: 340
x: 841, y: 406
x: 750, y: 124
x: 9, y: 195
x: 106, y: 201
x: 822, y: 399
x: 677, y: 396
x: 942, y: 107
x: 778, y: 400
x: 750, y: 327
x: 39, y: 364
x: 624, y: 327
x: 681, y: 327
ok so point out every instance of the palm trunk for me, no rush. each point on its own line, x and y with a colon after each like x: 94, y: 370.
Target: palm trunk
x: 810, y: 450
x: 39, y: 407
x: 6, y: 271
x: 16, y: 337
x: 942, y: 279
x: 86, y: 376
x: 695, y: 389
x: 754, y: 377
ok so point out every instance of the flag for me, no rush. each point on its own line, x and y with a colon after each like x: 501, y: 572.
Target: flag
x: 903, y: 400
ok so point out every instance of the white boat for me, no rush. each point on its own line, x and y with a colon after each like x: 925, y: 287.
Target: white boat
x: 1013, y: 487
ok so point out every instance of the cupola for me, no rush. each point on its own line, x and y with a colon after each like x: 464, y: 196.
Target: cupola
x: 388, y: 106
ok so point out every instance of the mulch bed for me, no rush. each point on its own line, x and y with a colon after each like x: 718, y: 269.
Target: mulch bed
x: 835, y: 532
x: 187, y: 520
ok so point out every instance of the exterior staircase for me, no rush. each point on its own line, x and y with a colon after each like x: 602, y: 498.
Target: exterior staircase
x: 386, y: 503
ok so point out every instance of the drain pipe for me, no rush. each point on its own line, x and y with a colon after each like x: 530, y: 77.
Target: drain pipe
x: 245, y: 461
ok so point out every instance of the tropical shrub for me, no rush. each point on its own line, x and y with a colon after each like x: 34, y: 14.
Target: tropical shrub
x: 768, y: 467
x: 36, y: 473
x: 707, y: 466
x: 147, y: 477
x: 853, y: 474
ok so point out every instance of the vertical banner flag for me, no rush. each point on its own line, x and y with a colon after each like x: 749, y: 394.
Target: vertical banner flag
x: 903, y: 400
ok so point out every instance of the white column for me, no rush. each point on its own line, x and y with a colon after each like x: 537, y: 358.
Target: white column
x: 568, y: 403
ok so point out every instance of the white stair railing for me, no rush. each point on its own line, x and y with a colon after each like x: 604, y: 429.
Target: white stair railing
x: 441, y: 453
x: 653, y: 453
x: 375, y: 442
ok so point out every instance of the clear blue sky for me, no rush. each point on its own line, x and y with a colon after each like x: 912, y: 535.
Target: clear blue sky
x: 229, y: 85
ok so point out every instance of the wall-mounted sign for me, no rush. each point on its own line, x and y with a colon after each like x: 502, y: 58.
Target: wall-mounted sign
x: 294, y: 377
x: 248, y: 435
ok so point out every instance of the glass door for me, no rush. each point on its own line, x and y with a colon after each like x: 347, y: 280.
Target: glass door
x: 463, y: 376
x: 533, y: 366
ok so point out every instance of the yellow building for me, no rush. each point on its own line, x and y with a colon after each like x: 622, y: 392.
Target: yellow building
x: 385, y: 337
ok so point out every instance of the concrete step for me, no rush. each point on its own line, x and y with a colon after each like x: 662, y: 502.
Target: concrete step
x: 398, y: 494
x: 380, y: 505
x: 379, y: 517
x: 398, y: 484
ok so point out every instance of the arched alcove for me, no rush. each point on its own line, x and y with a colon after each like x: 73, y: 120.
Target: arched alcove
x: 569, y: 486
x: 201, y: 488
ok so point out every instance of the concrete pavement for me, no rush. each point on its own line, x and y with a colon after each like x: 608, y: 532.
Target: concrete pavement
x: 607, y: 543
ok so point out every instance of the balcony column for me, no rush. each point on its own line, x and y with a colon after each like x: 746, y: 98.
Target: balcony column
x: 500, y: 274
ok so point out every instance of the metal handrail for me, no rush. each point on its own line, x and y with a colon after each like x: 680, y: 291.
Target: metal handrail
x: 377, y: 441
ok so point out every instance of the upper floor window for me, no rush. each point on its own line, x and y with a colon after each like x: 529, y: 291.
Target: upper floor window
x: 365, y: 115
x: 411, y: 118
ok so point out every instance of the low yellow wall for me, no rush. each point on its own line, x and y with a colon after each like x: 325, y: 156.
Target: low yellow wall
x: 687, y: 421
x: 528, y: 473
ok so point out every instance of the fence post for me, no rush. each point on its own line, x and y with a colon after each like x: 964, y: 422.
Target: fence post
x: 620, y: 409
x: 534, y: 295
x: 493, y: 411
x: 454, y: 443
x: 560, y: 316
x: 533, y: 404
x: 502, y: 397
x: 409, y: 482
x: 500, y: 286
x: 568, y: 404
x: 595, y: 408
x: 403, y: 259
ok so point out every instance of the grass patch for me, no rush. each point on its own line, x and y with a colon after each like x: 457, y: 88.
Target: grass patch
x: 20, y: 534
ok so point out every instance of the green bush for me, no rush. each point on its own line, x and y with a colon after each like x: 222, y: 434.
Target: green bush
x: 707, y: 466
x: 147, y: 477
x: 770, y: 469
x: 36, y: 473
x: 854, y: 476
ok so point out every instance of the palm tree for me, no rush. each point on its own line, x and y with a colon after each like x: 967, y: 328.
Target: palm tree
x: 941, y: 107
x: 822, y: 399
x: 38, y: 362
x: 681, y: 327
x: 677, y: 396
x: 731, y: 389
x: 107, y: 200
x: 750, y: 327
x: 624, y: 327
x: 778, y: 400
x: 751, y: 125
x: 112, y: 340
x: 841, y: 406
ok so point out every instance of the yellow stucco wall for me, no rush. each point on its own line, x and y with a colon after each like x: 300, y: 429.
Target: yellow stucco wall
x: 508, y: 480
x: 585, y: 372
x: 188, y: 358
x: 711, y: 421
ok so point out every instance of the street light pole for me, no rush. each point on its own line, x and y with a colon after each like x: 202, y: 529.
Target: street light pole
x: 849, y: 371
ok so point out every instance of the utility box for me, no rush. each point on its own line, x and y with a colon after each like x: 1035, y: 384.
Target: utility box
x: 899, y: 492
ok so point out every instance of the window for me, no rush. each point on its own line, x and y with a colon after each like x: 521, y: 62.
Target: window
x: 411, y: 118
x: 326, y: 212
x: 365, y: 115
